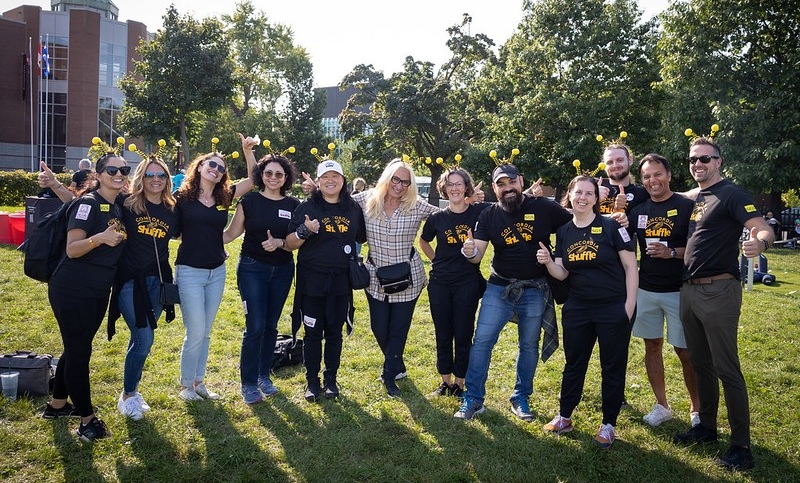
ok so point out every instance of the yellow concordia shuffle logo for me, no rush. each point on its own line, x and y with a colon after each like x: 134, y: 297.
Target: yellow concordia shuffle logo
x: 659, y: 227
x: 582, y: 251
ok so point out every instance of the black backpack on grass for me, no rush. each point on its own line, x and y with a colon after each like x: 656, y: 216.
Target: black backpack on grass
x: 46, y: 247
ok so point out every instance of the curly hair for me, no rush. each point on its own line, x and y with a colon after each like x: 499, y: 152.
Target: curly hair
x: 190, y: 188
x: 289, y: 169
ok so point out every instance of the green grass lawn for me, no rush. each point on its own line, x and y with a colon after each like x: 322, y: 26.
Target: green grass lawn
x: 365, y: 436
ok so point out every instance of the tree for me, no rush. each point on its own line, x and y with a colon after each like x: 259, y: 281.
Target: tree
x: 573, y: 69
x: 185, y: 71
x: 418, y: 111
x: 737, y: 63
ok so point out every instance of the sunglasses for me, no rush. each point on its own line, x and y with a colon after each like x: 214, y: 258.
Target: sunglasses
x: 702, y: 159
x: 405, y: 182
x: 150, y: 174
x: 112, y: 170
x: 218, y: 166
x: 273, y: 174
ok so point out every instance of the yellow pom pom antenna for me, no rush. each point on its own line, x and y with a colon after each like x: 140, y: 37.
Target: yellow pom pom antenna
x: 609, y: 142
x: 577, y: 165
x: 267, y: 144
x: 510, y: 160
x: 214, y: 142
x: 330, y: 155
x: 159, y: 154
x: 689, y: 133
x: 101, y: 148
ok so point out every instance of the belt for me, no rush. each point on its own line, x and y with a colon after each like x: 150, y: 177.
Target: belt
x: 707, y: 280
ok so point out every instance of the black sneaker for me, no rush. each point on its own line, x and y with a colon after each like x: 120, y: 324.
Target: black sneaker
x: 96, y: 429
x: 66, y: 411
x: 456, y: 391
x: 737, y: 458
x: 331, y: 390
x: 442, y: 390
x: 391, y: 388
x: 697, y: 434
x: 312, y: 391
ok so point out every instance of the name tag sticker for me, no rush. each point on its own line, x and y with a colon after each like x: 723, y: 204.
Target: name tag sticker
x: 624, y: 234
x: 641, y: 223
x: 597, y: 230
x: 221, y: 208
x: 530, y: 217
x: 105, y: 208
x: 287, y: 215
x: 83, y: 212
x: 749, y: 208
x: 309, y: 321
x: 672, y: 213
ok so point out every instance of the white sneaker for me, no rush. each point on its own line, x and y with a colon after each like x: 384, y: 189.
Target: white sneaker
x: 400, y: 375
x: 695, y: 418
x: 145, y: 407
x: 204, y: 393
x: 658, y: 415
x: 188, y: 394
x: 129, y: 407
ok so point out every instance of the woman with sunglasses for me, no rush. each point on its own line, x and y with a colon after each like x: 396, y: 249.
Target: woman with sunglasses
x: 151, y: 220
x: 95, y: 237
x: 265, y: 270
x: 203, y: 201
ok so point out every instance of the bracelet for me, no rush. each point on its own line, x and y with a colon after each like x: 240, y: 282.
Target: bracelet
x: 474, y: 253
x: 303, y: 232
x: 91, y: 242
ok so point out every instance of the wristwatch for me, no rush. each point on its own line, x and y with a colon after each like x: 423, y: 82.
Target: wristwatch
x: 673, y: 253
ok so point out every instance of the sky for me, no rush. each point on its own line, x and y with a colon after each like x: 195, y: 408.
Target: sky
x: 340, y: 35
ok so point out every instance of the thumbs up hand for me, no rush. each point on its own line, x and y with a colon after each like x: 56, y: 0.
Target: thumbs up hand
x: 543, y: 255
x: 478, y: 194
x: 312, y: 225
x: 604, y: 191
x: 621, y: 201
x: 536, y: 188
x: 753, y: 246
x: 469, y: 250
x: 271, y: 244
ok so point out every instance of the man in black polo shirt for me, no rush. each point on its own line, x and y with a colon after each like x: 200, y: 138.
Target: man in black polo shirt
x: 711, y: 299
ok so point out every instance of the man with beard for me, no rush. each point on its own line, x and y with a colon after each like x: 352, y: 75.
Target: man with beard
x: 623, y: 194
x: 711, y: 299
x: 517, y: 286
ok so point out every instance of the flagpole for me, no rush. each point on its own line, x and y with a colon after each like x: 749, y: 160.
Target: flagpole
x: 39, y: 103
x: 30, y: 80
x: 48, y: 119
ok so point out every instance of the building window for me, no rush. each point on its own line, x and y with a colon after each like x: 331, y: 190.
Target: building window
x: 58, y: 53
x: 54, y: 130
x: 107, y: 120
x: 113, y: 63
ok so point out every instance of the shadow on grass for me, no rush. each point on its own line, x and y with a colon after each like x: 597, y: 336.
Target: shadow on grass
x: 77, y: 458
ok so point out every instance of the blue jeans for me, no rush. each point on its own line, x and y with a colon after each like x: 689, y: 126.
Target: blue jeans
x: 263, y: 289
x: 141, y: 337
x: 493, y: 316
x: 201, y: 293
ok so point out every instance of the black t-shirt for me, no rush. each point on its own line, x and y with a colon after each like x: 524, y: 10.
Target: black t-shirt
x: 450, y: 231
x: 139, y: 256
x: 667, y: 220
x: 535, y: 221
x: 79, y: 177
x: 325, y: 252
x: 634, y: 193
x: 591, y: 255
x: 720, y: 212
x: 92, y: 273
x: 201, y: 234
x: 262, y: 214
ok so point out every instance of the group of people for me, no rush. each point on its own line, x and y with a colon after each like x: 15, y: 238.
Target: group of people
x: 688, y: 275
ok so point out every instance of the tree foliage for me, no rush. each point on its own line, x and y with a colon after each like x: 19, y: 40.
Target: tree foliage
x: 737, y: 63
x: 418, y: 111
x: 184, y: 72
x: 573, y: 69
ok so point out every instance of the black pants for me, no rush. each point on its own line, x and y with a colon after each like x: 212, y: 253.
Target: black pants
x: 323, y: 318
x: 583, y: 325
x: 453, y: 310
x: 78, y: 318
x: 390, y: 324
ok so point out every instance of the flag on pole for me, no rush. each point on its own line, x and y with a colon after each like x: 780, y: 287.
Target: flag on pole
x: 40, y: 56
x: 46, y: 61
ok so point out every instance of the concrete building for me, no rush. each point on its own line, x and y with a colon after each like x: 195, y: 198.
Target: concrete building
x: 55, y: 115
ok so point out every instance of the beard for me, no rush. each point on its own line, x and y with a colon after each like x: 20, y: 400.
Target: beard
x: 511, y: 204
x: 620, y: 176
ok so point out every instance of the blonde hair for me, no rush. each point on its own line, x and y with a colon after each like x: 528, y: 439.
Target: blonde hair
x: 377, y: 196
x: 137, y: 201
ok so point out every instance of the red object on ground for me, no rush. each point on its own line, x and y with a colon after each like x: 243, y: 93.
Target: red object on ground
x: 17, y: 223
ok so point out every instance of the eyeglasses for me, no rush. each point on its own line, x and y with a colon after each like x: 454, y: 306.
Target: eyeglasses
x: 112, y: 170
x: 220, y: 167
x: 702, y: 159
x: 457, y: 184
x: 150, y: 174
x: 405, y: 182
x: 273, y: 174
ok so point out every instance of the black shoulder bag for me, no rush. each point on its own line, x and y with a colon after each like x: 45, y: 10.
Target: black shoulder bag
x: 168, y: 293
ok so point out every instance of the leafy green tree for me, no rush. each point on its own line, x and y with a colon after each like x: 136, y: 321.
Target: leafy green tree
x: 573, y: 69
x: 735, y: 63
x: 184, y: 71
x: 419, y: 111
